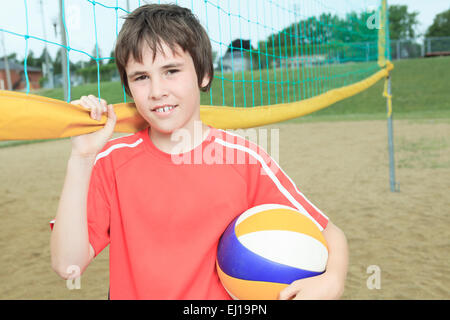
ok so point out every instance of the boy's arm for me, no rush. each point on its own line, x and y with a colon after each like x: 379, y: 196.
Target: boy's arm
x: 330, y: 284
x: 69, y: 243
x: 270, y: 184
x: 69, y: 239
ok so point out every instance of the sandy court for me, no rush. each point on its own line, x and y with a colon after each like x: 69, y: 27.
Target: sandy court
x: 342, y: 167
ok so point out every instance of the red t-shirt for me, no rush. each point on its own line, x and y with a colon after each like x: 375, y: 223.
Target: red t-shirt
x: 163, y: 214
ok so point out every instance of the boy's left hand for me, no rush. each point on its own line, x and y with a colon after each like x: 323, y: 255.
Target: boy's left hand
x: 321, y: 287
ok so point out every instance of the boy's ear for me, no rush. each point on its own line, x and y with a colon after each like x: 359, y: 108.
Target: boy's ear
x: 205, y: 81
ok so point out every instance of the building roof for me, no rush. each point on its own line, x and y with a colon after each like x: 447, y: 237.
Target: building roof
x: 17, y: 66
x: 238, y: 44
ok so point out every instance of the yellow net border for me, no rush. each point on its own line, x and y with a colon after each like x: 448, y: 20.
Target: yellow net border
x: 28, y: 116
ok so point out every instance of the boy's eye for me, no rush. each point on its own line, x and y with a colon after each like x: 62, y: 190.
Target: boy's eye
x: 171, y: 71
x: 143, y: 77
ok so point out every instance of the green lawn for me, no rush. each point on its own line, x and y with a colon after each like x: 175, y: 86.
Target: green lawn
x: 419, y: 91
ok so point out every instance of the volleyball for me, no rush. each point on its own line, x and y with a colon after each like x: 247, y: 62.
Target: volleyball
x: 266, y: 248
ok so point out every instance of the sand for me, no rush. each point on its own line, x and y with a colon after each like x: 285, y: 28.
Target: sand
x: 342, y: 167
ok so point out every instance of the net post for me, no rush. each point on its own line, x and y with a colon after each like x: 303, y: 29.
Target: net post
x: 6, y: 62
x: 63, y: 51
x: 395, y: 187
x: 384, y: 58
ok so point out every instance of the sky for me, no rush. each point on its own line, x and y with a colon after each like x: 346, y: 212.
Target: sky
x: 219, y: 17
x: 427, y: 9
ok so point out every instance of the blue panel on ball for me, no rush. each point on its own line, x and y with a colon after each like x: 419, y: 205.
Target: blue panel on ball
x: 239, y: 262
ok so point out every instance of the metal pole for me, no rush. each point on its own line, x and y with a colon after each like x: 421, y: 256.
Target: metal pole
x: 48, y: 66
x: 63, y: 51
x: 422, y: 47
x: 5, y: 59
x: 395, y: 187
x: 367, y: 52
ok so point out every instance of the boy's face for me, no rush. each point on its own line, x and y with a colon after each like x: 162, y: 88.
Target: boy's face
x: 168, y: 81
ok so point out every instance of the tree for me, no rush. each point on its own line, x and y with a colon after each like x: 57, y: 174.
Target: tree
x: 32, y: 61
x: 93, y: 62
x: 440, y: 26
x: 111, y: 61
x: 402, y: 24
x: 214, y: 55
x: 57, y: 67
x: 324, y: 35
x: 42, y: 57
x: 57, y: 62
x: 13, y: 57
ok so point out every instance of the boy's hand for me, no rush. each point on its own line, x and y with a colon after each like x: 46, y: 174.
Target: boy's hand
x: 321, y: 287
x: 331, y: 283
x: 89, y: 145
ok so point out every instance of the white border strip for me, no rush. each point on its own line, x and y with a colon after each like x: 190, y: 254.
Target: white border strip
x: 279, y: 167
x: 272, y: 176
x: 116, y: 146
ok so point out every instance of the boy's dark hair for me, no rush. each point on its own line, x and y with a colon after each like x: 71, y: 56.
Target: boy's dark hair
x: 174, y: 25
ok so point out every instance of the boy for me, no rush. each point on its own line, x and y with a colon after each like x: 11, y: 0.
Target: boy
x: 162, y: 218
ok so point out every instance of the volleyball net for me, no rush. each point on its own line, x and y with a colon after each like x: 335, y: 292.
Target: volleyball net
x: 274, y: 61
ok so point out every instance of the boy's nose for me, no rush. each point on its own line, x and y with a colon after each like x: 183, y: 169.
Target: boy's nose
x: 158, y: 90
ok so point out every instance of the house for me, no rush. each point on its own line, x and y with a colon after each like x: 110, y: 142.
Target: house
x: 297, y: 61
x: 236, y: 61
x: 17, y: 73
x: 235, y: 58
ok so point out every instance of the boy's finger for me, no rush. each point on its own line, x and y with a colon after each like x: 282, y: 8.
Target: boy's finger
x: 98, y: 112
x: 104, y: 105
x: 111, y: 113
x: 90, y: 105
x: 86, y: 102
x: 98, y: 102
x: 288, y: 292
x: 94, y: 99
x: 111, y: 121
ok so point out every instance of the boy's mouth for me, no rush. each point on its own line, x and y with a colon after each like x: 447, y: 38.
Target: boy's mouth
x: 164, y: 109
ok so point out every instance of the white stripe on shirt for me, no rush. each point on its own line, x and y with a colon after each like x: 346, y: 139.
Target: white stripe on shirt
x: 275, y: 180
x: 292, y: 182
x: 117, y: 146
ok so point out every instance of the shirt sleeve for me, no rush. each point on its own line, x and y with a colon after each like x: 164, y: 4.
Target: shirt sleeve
x: 270, y: 184
x: 99, y: 208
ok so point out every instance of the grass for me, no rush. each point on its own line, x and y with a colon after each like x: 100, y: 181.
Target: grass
x: 12, y: 143
x: 419, y: 91
x: 424, y: 152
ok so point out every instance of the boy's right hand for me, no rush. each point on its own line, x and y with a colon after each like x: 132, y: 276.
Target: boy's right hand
x: 89, y: 145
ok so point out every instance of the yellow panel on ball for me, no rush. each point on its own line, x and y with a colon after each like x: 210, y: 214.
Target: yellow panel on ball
x: 249, y: 290
x: 279, y: 219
